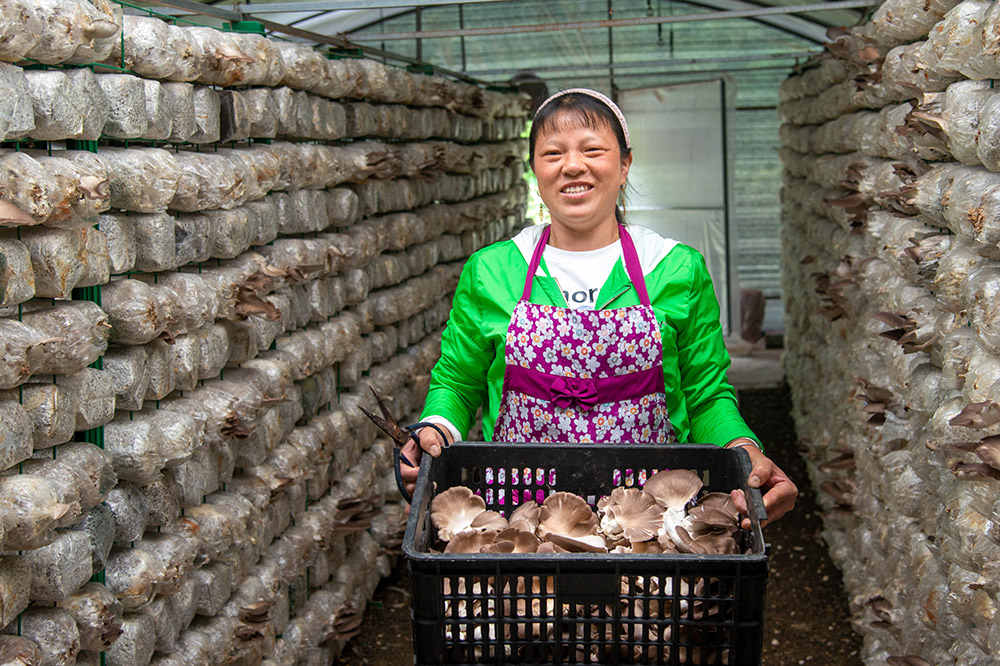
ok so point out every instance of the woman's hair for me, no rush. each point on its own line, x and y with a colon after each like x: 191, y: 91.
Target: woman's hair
x: 592, y: 112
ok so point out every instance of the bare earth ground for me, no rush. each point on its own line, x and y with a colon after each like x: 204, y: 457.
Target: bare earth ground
x: 807, y: 614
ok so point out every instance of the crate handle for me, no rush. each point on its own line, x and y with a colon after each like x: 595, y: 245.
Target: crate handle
x: 757, y: 503
x: 397, y: 456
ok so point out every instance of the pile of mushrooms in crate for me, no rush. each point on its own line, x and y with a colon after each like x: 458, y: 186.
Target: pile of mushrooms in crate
x: 185, y: 316
x: 890, y: 241
x: 667, y: 515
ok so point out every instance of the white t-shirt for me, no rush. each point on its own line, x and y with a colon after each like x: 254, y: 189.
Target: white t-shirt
x: 580, y: 275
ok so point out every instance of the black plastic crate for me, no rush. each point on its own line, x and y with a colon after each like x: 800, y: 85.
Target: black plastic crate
x: 582, y: 608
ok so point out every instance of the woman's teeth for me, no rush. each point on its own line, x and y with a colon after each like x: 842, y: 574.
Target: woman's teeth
x: 576, y: 189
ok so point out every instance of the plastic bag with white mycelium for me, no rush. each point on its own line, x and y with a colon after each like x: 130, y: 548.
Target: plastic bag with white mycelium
x: 67, y: 25
x: 17, y: 277
x: 258, y: 167
x: 55, y: 258
x: 60, y: 568
x: 34, y: 508
x: 54, y: 631
x: 216, y: 528
x: 136, y: 643
x: 207, y: 108
x: 988, y: 130
x: 96, y: 106
x: 971, y: 208
x: 147, y: 48
x: 210, y: 181
x: 136, y: 447
x: 303, y: 66
x: 334, y: 81
x: 58, y: 105
x: 982, y: 63
x: 142, y: 180
x: 72, y: 336
x: 220, y: 59
x: 80, y: 191
x: 160, y: 111
x: 267, y: 67
x: 961, y: 107
x: 52, y: 412
x: 266, y: 212
x: 194, y: 239
x: 329, y: 119
x: 262, y: 112
x: 127, y: 114
x: 22, y: 29
x: 97, y: 613
x: 234, y: 116
x: 17, y: 116
x: 135, y: 313
x: 166, y: 622
x: 980, y: 293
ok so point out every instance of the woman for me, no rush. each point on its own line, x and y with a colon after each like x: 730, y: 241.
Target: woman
x: 614, y: 337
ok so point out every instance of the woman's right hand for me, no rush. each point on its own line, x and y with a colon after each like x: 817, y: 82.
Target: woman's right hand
x: 431, y: 442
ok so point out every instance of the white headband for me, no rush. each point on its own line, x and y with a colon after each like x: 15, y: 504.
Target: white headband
x: 601, y: 98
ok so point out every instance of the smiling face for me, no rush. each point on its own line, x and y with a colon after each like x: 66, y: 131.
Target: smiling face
x: 580, y: 171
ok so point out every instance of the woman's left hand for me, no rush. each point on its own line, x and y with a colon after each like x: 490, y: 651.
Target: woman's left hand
x: 779, y: 491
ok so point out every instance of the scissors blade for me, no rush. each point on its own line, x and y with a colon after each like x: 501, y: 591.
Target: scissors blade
x: 389, y: 426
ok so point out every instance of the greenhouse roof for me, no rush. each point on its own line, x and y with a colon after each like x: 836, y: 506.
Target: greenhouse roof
x: 605, y: 44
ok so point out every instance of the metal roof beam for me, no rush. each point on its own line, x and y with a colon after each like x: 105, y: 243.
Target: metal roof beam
x: 335, y: 5
x: 805, y: 29
x: 661, y: 63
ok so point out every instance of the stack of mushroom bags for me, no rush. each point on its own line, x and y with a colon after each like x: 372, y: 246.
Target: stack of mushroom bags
x: 191, y: 315
x: 891, y: 151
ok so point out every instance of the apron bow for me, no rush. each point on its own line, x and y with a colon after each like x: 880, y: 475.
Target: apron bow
x: 570, y: 391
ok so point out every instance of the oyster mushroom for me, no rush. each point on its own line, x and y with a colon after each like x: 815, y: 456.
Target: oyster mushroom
x: 977, y: 415
x: 566, y: 514
x: 525, y: 517
x: 470, y: 541
x: 588, y: 543
x: 631, y: 513
x: 453, y: 511
x: 521, y: 541
x: 672, y: 490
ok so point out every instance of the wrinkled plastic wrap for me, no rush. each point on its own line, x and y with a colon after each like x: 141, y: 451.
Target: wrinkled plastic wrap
x: 17, y: 117
x: 127, y: 113
x: 142, y: 180
x: 207, y: 108
x: 55, y: 632
x: 60, y: 568
x: 149, y: 49
x: 136, y: 643
x: 58, y: 105
x: 17, y: 277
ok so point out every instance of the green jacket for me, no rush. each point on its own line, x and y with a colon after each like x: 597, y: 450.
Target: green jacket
x: 469, y: 374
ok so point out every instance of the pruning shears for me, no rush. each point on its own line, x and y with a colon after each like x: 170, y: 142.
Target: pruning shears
x: 400, y: 435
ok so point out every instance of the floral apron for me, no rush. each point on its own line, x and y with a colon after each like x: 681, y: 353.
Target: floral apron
x: 584, y: 375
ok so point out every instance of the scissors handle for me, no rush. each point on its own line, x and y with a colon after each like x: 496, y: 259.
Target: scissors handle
x: 397, y: 455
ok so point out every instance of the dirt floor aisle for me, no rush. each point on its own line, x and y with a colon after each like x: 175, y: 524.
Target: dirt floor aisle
x: 807, y: 614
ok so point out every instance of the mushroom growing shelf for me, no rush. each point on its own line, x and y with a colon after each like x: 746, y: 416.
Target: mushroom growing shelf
x: 582, y: 608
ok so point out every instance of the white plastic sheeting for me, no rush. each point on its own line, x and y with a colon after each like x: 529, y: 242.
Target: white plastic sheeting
x: 679, y: 173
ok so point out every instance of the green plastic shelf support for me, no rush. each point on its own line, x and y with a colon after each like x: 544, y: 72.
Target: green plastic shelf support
x: 77, y: 144
x: 337, y: 53
x: 424, y: 68
x: 255, y: 27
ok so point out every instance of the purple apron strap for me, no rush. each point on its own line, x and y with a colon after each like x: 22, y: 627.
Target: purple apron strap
x: 536, y: 260
x: 632, y: 265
